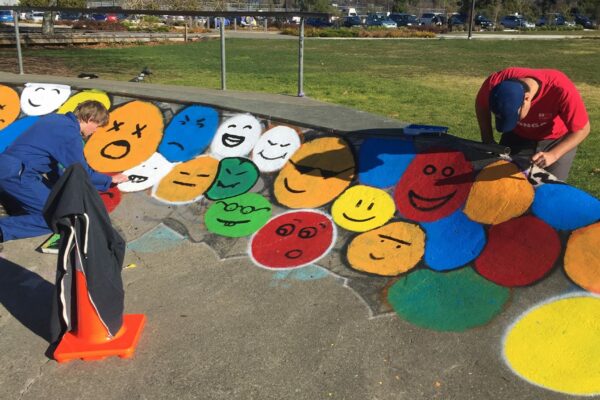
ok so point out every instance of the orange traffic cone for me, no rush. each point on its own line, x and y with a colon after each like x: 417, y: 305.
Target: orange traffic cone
x: 90, y: 339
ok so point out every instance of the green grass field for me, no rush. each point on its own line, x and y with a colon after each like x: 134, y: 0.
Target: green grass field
x: 418, y: 81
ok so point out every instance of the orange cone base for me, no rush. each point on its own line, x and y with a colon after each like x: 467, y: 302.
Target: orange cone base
x: 123, y: 345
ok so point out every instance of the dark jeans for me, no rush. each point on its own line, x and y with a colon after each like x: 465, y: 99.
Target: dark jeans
x: 521, y: 151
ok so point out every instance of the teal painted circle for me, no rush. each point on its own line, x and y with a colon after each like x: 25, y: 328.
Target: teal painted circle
x: 453, y: 301
x: 238, y: 216
x: 236, y: 175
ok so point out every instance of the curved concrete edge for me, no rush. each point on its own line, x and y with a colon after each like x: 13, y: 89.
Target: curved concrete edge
x: 301, y: 111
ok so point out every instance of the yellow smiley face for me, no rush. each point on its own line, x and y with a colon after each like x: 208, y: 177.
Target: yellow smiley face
x: 390, y: 250
x: 362, y: 208
x: 10, y: 106
x: 316, y: 174
x: 132, y: 135
x: 75, y: 100
x: 188, y: 181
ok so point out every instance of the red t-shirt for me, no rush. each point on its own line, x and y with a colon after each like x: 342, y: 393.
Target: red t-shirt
x: 556, y: 110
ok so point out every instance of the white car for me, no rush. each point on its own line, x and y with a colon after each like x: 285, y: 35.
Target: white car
x: 35, y: 16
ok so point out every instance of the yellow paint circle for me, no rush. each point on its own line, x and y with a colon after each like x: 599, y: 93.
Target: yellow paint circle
x: 556, y: 345
x: 80, y: 97
x: 582, y: 257
x: 501, y: 192
x: 390, y: 250
x: 11, y: 106
x: 362, y: 208
x: 188, y: 181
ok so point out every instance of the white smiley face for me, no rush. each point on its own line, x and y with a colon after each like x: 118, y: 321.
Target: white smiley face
x: 147, y: 174
x: 275, y: 147
x: 43, y: 98
x: 236, y: 136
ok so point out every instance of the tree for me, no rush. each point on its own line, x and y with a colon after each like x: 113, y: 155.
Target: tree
x: 48, y: 22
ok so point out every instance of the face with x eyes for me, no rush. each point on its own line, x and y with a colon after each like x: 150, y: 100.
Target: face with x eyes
x: 187, y: 182
x: 293, y: 240
x: 317, y: 173
x: 236, y: 136
x: 189, y: 133
x: 132, y: 135
x: 9, y: 106
x: 238, y: 216
x: 435, y: 184
x: 362, y: 208
x: 236, y: 175
x: 43, y: 98
x: 274, y: 148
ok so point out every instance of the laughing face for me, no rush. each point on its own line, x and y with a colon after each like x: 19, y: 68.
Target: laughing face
x: 434, y: 185
x: 43, y: 98
x: 147, y: 174
x: 236, y: 136
x: 274, y: 148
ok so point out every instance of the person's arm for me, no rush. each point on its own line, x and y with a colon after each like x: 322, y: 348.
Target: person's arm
x: 546, y: 158
x: 72, y: 153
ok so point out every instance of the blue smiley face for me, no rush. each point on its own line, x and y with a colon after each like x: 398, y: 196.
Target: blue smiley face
x: 189, y: 133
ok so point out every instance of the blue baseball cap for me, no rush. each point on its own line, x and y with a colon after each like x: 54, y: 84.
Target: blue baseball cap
x: 506, y: 99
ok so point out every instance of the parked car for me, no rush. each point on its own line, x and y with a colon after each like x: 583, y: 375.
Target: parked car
x: 404, y: 19
x: 584, y: 21
x: 380, y: 21
x: 553, y: 19
x: 428, y: 18
x: 351, y: 22
x: 98, y: 17
x: 115, y: 17
x: 35, y: 16
x: 6, y: 16
x: 483, y: 21
x: 318, y: 22
x: 515, y: 22
x: 69, y: 16
x: 457, y: 19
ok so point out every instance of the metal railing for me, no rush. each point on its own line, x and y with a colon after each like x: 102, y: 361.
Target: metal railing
x: 187, y: 13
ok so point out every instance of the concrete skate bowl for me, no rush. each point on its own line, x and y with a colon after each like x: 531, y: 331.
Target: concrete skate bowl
x: 427, y: 229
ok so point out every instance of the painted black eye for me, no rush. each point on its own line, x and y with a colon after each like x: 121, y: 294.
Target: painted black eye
x: 285, y: 230
x: 358, y: 203
x: 429, y: 169
x: 308, y: 232
x: 448, y: 171
x: 370, y: 206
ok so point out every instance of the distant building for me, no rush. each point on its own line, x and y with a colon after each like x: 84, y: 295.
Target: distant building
x: 9, y: 2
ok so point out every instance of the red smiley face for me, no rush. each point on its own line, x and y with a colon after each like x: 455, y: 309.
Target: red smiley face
x: 434, y: 185
x: 293, y: 240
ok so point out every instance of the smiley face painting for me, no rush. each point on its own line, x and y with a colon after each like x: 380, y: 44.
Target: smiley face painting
x: 236, y: 175
x: 187, y: 182
x: 238, y: 216
x: 316, y: 174
x: 293, y: 239
x: 390, y: 250
x: 434, y: 185
x: 78, y: 98
x: 43, y: 98
x: 147, y: 174
x: 132, y: 135
x: 236, y: 136
x: 362, y: 208
x: 189, y: 133
x: 9, y: 106
x: 275, y: 147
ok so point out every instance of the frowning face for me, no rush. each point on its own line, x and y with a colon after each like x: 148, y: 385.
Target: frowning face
x: 236, y: 136
x: 188, y: 181
x: 9, y: 106
x: 43, y: 98
x: 274, y: 148
x: 131, y: 137
x: 434, y: 185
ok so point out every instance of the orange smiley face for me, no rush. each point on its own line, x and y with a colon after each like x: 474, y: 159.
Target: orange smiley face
x: 316, y: 174
x: 132, y: 135
x: 188, y: 181
x: 9, y: 106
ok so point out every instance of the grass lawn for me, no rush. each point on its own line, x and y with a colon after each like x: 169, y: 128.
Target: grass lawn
x: 419, y: 81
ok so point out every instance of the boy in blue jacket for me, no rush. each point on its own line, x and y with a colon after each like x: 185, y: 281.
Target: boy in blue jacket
x: 31, y: 164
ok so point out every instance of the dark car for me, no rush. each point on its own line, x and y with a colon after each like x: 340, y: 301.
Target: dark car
x: 374, y: 20
x: 584, y: 21
x: 318, y: 22
x: 551, y: 19
x: 69, y: 16
x: 515, y: 22
x: 457, y: 19
x: 483, y: 21
x: 98, y: 17
x: 404, y: 19
x: 352, y: 21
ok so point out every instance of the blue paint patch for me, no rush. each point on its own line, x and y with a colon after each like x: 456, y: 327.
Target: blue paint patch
x: 381, y: 162
x: 158, y: 239
x: 564, y: 207
x: 452, y: 242
x: 189, y: 133
x: 308, y: 273
x: 12, y: 131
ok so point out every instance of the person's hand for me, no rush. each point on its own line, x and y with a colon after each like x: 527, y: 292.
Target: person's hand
x: 544, y: 159
x: 119, y: 178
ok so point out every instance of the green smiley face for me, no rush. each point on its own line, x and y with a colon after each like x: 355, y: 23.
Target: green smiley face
x: 238, y: 216
x: 236, y: 175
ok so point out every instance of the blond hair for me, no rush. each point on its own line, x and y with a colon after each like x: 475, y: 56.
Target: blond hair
x: 92, y: 110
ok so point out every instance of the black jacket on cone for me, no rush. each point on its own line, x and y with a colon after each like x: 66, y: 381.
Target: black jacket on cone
x: 90, y: 244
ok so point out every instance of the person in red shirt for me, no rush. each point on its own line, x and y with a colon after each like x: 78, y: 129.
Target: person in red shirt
x: 540, y: 114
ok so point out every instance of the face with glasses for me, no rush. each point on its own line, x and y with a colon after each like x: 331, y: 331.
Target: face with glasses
x: 316, y: 174
x: 238, y: 216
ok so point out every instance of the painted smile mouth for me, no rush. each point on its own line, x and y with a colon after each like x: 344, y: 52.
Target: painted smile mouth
x: 232, y: 140
x: 116, y: 150
x: 220, y: 184
x: 293, y: 253
x: 357, y: 220
x: 137, y: 178
x: 184, y: 183
x: 232, y: 223
x: 262, y: 154
x: 375, y: 257
x: 287, y: 186
x: 428, y: 203
x: 33, y: 104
